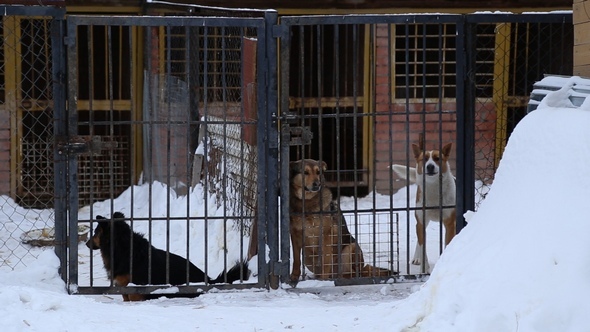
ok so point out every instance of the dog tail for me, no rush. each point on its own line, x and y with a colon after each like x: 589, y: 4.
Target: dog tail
x: 403, y: 172
x: 237, y: 272
x: 373, y: 271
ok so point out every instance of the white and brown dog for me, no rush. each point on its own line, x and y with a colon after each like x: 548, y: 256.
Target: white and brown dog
x: 435, y: 197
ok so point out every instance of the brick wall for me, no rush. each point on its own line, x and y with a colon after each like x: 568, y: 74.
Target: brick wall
x: 399, y: 123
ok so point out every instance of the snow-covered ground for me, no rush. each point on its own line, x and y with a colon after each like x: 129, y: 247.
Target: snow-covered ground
x: 522, y: 264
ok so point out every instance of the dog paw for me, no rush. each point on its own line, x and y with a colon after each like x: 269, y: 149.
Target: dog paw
x: 293, y: 281
x: 416, y: 261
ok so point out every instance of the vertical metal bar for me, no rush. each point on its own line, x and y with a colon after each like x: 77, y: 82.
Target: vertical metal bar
x: 441, y: 29
x: 72, y: 170
x: 59, y: 69
x: 408, y: 129
x: 206, y: 115
x: 466, y: 34
x: 90, y: 57
x: 424, y: 140
x: 152, y: 36
x: 267, y: 142
x: 168, y: 95
x: 190, y: 151
x: 285, y: 58
x: 226, y: 157
x: 391, y: 109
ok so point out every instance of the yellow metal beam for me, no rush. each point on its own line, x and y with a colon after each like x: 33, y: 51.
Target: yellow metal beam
x: 500, y: 87
x: 12, y: 50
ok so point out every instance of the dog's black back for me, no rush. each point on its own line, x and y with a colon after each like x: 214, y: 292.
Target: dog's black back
x: 117, y: 242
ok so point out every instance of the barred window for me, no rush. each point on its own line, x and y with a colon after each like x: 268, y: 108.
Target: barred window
x: 215, y: 55
x: 424, y: 60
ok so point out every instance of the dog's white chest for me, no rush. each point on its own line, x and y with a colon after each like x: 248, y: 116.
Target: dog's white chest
x: 434, y: 193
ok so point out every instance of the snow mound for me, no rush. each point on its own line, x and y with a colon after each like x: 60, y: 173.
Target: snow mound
x: 523, y: 263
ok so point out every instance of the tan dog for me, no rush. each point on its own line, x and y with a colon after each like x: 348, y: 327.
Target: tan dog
x: 432, y: 172
x: 319, y: 229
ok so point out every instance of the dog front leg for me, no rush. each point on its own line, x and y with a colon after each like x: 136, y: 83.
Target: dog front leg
x: 450, y: 228
x: 296, y: 270
x: 420, y: 257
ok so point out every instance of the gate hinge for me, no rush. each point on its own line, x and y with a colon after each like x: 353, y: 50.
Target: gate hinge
x: 83, y: 145
x: 297, y: 135
x: 279, y: 31
x: 280, y: 268
x: 69, y: 41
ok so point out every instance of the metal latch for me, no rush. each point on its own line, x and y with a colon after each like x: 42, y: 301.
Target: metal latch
x: 297, y: 135
x: 83, y: 145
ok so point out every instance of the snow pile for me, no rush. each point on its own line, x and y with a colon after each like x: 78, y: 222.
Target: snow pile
x: 523, y: 263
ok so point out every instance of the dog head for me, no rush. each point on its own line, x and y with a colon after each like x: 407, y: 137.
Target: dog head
x: 432, y: 162
x: 307, y: 177
x: 102, y: 230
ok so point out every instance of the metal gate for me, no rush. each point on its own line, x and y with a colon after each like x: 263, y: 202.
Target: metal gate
x: 357, y: 91
x: 176, y: 122
x: 352, y: 98
x: 183, y: 158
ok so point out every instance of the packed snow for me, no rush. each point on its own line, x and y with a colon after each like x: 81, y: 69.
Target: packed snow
x: 522, y: 263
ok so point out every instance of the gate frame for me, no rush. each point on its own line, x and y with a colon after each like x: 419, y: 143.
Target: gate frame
x: 273, y: 231
x: 69, y: 130
x: 463, y: 137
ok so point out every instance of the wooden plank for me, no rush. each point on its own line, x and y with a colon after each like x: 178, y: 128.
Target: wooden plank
x: 582, y: 33
x: 582, y: 54
x: 583, y: 70
x: 581, y: 12
x: 295, y: 102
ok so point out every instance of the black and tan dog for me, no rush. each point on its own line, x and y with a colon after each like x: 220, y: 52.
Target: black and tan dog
x: 319, y: 230
x: 117, y: 241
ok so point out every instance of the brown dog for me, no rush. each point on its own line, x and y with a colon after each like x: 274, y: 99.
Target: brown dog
x: 319, y: 229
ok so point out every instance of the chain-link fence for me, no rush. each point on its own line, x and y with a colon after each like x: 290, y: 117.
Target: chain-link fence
x: 26, y: 135
x: 512, y: 54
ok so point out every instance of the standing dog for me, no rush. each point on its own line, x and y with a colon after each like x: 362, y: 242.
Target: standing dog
x: 117, y: 242
x: 319, y: 230
x: 436, y: 189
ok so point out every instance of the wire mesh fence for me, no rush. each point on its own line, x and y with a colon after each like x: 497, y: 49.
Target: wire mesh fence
x: 511, y: 56
x: 26, y: 139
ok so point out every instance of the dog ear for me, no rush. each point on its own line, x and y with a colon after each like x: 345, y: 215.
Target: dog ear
x: 295, y: 166
x: 118, y: 215
x: 324, y: 165
x: 446, y: 150
x: 102, y: 224
x: 417, y: 150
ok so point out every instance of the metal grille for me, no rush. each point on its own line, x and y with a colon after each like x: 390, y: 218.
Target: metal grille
x: 185, y: 145
x: 219, y: 54
x: 26, y: 134
x: 511, y: 57
x: 414, y: 79
x: 425, y: 60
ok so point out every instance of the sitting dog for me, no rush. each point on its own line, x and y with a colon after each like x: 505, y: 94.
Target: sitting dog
x: 318, y: 228
x: 432, y: 172
x: 115, y: 240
